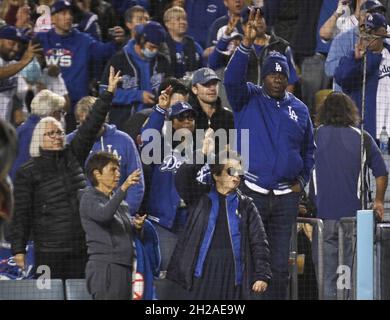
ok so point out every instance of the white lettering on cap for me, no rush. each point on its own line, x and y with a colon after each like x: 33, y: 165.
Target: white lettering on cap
x: 278, y: 68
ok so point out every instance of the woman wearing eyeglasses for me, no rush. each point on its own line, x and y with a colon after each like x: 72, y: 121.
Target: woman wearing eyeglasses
x: 46, y: 186
x: 222, y: 253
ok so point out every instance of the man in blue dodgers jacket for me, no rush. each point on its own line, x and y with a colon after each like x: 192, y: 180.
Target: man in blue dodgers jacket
x: 281, y: 148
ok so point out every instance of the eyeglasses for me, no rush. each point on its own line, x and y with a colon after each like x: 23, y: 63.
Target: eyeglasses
x: 233, y: 172
x: 185, y: 116
x: 53, y: 133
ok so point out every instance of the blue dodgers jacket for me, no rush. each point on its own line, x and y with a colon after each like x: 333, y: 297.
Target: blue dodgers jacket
x: 281, y: 144
x: 73, y: 53
x: 120, y: 144
x: 349, y: 75
x: 24, y: 132
x: 164, y: 202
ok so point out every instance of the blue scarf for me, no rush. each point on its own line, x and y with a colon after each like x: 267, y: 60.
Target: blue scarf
x: 234, y: 228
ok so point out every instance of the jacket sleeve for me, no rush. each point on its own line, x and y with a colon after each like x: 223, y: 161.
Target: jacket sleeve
x: 21, y: 222
x: 86, y: 134
x: 237, y: 90
x: 336, y: 52
x: 375, y: 159
x: 215, y: 60
x: 98, y: 210
x: 349, y: 73
x: 259, y: 247
x: 122, y: 96
x: 135, y: 193
x: 307, y: 153
x: 188, y: 187
x: 155, y: 122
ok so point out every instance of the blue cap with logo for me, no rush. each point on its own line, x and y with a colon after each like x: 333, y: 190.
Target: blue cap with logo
x: 12, y: 33
x: 204, y: 75
x: 152, y: 32
x: 60, y: 5
x: 372, y: 6
x: 275, y: 63
x: 374, y: 21
x: 178, y: 108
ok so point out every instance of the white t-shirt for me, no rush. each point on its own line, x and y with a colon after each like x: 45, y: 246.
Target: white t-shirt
x: 8, y: 88
x: 383, y: 94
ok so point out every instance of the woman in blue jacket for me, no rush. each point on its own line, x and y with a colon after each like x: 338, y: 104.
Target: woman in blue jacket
x: 223, y: 252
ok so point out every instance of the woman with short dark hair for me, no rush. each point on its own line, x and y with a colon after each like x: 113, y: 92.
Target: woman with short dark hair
x: 223, y: 252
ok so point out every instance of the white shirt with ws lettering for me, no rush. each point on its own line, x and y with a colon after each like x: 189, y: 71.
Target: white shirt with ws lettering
x: 383, y: 94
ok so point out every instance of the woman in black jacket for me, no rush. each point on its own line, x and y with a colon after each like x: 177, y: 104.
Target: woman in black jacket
x: 46, y: 204
x: 223, y: 252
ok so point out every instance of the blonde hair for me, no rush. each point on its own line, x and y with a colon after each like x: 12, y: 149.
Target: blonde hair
x: 37, y: 136
x: 84, y: 105
x: 171, y: 11
x: 46, y: 102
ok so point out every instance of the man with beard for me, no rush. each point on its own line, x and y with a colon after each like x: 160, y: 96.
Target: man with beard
x: 11, y: 82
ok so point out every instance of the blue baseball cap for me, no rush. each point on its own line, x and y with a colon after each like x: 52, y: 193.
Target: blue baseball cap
x: 152, y: 32
x: 275, y: 62
x: 178, y: 108
x: 12, y: 33
x: 372, y: 6
x: 60, y: 5
x: 204, y: 75
x: 374, y: 21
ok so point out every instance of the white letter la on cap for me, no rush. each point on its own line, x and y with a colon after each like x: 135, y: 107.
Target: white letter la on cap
x: 278, y: 68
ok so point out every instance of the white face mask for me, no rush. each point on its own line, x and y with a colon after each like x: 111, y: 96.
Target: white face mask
x: 148, y: 53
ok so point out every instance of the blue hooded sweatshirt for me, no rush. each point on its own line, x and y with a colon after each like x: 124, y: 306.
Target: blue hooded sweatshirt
x: 120, y: 144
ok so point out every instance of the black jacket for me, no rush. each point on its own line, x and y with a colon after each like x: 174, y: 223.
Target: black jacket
x: 222, y: 117
x: 46, y: 203
x: 255, y: 255
x: 192, y: 60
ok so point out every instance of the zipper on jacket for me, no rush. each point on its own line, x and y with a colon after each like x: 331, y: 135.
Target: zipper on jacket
x: 231, y: 241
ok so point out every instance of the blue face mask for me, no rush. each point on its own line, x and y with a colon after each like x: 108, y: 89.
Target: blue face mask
x: 148, y: 53
x: 32, y: 72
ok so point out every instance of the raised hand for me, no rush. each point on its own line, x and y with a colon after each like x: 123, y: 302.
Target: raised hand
x: 113, y: 80
x: 165, y: 98
x: 231, y: 25
x: 250, y: 31
x: 208, y: 142
x: 131, y: 180
x: 259, y: 286
x: 31, y: 51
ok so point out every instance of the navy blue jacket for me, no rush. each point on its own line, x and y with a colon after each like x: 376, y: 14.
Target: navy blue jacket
x: 349, y: 75
x: 280, y: 132
x: 249, y: 241
x: 337, y: 170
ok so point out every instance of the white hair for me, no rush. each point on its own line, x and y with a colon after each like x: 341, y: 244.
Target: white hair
x: 46, y: 102
x: 37, y: 136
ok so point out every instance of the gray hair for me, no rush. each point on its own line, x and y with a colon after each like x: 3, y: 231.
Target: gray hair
x: 37, y: 136
x: 46, y: 102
